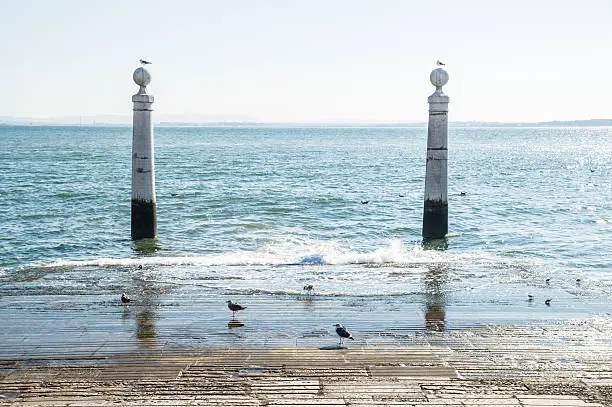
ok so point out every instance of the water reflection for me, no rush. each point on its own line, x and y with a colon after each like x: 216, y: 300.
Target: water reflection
x: 307, y: 302
x: 234, y: 324
x: 434, y: 279
x: 125, y: 315
x: 145, y: 304
x: 145, y: 327
x: 146, y: 317
x: 146, y: 246
x: 435, y: 301
x: 435, y: 244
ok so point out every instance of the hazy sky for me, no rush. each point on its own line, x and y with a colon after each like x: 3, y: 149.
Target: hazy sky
x: 309, y: 60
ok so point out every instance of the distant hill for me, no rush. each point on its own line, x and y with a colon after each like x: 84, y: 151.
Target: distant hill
x: 164, y: 120
x: 124, y: 120
x: 555, y: 123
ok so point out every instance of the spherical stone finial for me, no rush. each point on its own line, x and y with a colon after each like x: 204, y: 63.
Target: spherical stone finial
x: 439, y: 78
x: 142, y: 77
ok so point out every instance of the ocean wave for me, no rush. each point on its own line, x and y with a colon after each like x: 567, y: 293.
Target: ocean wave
x: 297, y: 252
x: 300, y: 294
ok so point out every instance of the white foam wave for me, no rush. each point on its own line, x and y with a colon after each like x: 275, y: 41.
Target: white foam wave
x: 294, y: 252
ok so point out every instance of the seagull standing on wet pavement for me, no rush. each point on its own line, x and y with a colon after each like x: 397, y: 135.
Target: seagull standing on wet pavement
x: 234, y: 307
x: 125, y: 299
x: 343, y: 333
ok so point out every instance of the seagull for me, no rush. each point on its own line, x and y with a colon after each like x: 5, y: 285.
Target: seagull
x: 440, y: 63
x: 547, y: 302
x: 308, y: 288
x: 343, y: 333
x: 144, y: 62
x: 548, y: 281
x: 234, y: 307
x: 125, y: 299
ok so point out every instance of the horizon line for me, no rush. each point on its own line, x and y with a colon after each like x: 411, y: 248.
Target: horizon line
x: 57, y: 121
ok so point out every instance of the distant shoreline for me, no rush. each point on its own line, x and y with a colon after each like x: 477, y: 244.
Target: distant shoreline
x: 238, y: 124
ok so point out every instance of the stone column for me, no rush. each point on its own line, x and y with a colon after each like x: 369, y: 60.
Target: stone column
x: 144, y: 216
x: 435, y: 214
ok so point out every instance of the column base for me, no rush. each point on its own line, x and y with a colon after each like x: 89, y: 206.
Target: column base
x: 144, y: 219
x: 435, y: 220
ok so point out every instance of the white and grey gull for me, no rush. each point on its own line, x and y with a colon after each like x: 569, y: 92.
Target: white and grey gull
x: 343, y: 333
x: 234, y: 307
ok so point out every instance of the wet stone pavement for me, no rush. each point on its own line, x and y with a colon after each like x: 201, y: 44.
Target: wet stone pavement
x: 562, y: 364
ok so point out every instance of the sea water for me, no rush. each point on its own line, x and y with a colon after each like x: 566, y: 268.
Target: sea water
x: 254, y: 214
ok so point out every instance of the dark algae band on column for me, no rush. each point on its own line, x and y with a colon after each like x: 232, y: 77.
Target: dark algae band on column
x: 435, y: 219
x: 144, y: 219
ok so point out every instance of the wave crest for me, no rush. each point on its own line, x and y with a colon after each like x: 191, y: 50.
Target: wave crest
x: 289, y: 253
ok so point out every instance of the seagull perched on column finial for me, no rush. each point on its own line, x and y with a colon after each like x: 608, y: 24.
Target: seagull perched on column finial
x: 145, y: 62
x: 440, y: 63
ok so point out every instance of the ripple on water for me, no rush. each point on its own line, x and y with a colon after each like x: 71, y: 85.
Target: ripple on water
x: 263, y: 212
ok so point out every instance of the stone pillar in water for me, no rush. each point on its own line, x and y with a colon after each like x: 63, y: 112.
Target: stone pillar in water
x: 435, y: 214
x: 144, y: 216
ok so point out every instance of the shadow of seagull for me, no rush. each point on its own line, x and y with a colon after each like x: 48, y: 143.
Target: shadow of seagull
x: 333, y: 347
x: 234, y: 324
